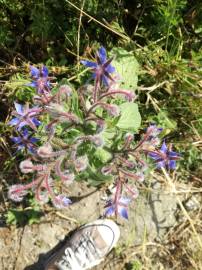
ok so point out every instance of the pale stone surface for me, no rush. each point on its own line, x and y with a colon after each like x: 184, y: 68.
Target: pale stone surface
x: 150, y: 216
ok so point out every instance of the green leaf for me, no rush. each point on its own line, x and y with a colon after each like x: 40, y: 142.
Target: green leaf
x: 130, y: 119
x: 103, y: 155
x: 95, y: 178
x: 127, y: 66
x: 75, y: 104
x: 108, y: 135
x: 23, y: 216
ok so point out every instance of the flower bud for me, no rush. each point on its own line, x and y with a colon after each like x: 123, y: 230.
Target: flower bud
x: 153, y: 130
x: 97, y: 140
x: 55, y: 110
x: 129, y: 95
x: 113, y: 110
x: 106, y: 170
x: 68, y: 178
x: 65, y: 89
x: 100, y: 125
x: 81, y: 163
x: 155, y: 141
x: 140, y: 176
x: 129, y: 137
x: 16, y: 193
x: 45, y: 151
x: 26, y: 166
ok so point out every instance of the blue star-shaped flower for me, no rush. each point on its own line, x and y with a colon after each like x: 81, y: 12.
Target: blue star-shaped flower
x: 101, y: 68
x: 40, y: 79
x: 120, y: 207
x: 24, y: 117
x: 165, y: 157
x: 24, y: 140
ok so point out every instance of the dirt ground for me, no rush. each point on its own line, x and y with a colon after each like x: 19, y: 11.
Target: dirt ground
x: 28, y: 247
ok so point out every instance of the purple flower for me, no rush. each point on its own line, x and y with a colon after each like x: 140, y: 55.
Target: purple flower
x: 120, y: 207
x: 61, y: 201
x: 101, y: 68
x: 25, y: 141
x: 25, y: 117
x: 153, y: 131
x: 40, y: 79
x: 165, y: 157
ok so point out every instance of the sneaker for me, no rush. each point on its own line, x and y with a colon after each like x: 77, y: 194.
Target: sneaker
x: 87, y: 247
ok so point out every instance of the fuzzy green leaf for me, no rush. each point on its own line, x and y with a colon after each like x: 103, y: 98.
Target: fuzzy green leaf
x: 103, y: 155
x: 127, y: 66
x: 130, y: 119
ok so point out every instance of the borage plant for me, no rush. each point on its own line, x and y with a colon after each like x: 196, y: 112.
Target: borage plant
x: 85, y: 134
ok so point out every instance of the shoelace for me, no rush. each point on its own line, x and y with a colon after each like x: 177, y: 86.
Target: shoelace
x: 85, y: 254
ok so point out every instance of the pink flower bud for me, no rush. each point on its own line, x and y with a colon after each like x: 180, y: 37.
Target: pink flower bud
x: 58, y: 112
x: 106, y: 170
x: 129, y: 95
x: 65, y: 89
x: 81, y: 163
x: 153, y: 130
x: 155, y: 141
x: 113, y: 110
x: 16, y: 193
x: 140, y: 176
x: 97, y: 140
x: 100, y: 125
x: 68, y: 178
x: 45, y: 151
x: 55, y: 109
x: 26, y: 166
x: 129, y: 137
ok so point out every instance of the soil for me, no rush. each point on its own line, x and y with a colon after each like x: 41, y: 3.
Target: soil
x: 28, y: 247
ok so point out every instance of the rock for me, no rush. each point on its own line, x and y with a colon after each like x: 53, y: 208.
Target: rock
x: 150, y: 216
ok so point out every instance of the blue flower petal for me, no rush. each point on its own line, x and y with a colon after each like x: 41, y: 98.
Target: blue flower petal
x: 34, y: 72
x: 105, y: 80
x: 110, y: 69
x: 20, y: 147
x: 44, y: 71
x: 16, y: 139
x: 123, y: 212
x: 66, y: 201
x: 154, y: 155
x: 25, y: 132
x: 161, y: 164
x: 14, y: 121
x: 125, y: 200
x: 22, y: 124
x: 173, y: 154
x: 172, y: 164
x: 36, y: 122
x: 102, y: 54
x: 164, y: 147
x: 33, y: 140
x: 31, y: 149
x: 18, y: 107
x: 110, y: 211
x: 89, y: 63
x: 32, y: 84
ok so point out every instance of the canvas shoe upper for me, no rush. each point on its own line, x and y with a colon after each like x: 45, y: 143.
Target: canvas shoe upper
x: 87, y: 247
